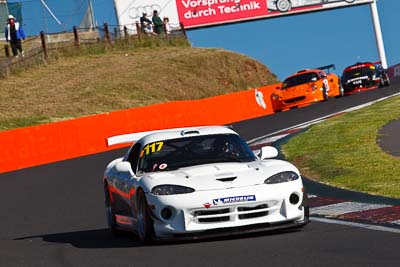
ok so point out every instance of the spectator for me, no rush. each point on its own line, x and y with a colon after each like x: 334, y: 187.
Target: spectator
x: 14, y: 33
x: 145, y: 23
x: 158, y: 24
x: 167, y: 25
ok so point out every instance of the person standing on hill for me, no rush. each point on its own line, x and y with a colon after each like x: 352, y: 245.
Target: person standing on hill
x: 158, y: 24
x: 14, y: 34
x: 144, y: 22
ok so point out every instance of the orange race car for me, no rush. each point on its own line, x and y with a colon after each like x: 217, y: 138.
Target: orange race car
x: 305, y: 87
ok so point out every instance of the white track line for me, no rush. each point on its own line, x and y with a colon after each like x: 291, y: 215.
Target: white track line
x: 305, y: 124
x: 360, y: 225
x: 271, y: 139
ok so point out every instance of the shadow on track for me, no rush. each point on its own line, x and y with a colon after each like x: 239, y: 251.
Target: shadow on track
x: 100, y: 238
x: 103, y: 238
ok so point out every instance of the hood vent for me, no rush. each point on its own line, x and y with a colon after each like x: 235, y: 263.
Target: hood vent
x: 227, y: 179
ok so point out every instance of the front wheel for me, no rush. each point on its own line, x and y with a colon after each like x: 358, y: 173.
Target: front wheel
x: 387, y: 80
x: 382, y: 82
x: 145, y: 224
x: 341, y: 89
x: 306, y: 207
x: 325, y: 93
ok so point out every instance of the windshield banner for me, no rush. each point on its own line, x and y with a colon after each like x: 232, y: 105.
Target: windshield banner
x: 200, y: 13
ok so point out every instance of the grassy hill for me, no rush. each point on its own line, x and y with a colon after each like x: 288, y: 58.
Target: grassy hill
x: 123, y: 78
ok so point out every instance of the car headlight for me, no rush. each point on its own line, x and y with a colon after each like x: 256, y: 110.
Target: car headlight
x: 275, y: 97
x: 170, y: 189
x: 282, y: 177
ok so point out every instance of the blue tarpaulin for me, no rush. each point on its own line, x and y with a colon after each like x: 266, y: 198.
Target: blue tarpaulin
x: 9, y: 8
x: 55, y: 16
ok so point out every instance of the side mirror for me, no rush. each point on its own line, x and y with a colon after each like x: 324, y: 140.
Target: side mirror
x: 268, y: 152
x: 124, y: 167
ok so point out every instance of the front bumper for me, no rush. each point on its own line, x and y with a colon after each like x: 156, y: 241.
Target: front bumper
x: 286, y: 102
x: 236, y: 231
x: 199, y: 214
x: 365, y: 85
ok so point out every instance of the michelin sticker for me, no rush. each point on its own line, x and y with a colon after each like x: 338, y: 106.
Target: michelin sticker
x: 229, y: 200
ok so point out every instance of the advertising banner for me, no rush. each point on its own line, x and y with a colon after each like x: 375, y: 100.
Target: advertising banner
x: 200, y: 13
x: 394, y: 73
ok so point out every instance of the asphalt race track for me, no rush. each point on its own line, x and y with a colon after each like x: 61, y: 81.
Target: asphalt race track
x: 53, y: 215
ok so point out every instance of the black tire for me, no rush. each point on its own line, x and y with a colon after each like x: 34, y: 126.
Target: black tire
x: 306, y: 207
x: 306, y: 210
x: 325, y: 93
x: 145, y: 224
x: 111, y: 221
x: 283, y: 5
x: 382, y: 82
x: 341, y: 90
x: 387, y: 80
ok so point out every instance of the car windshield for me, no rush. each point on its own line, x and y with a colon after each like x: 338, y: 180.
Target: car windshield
x: 167, y: 155
x: 299, y: 79
x: 358, y: 72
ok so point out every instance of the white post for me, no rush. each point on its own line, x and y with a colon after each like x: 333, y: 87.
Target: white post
x: 92, y: 16
x: 378, y: 34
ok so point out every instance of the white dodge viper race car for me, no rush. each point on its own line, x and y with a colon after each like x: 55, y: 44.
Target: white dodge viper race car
x: 200, y: 182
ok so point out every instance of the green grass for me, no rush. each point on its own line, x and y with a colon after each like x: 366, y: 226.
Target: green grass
x: 343, y: 151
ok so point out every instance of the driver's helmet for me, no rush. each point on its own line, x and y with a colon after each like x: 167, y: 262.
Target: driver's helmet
x: 224, y: 145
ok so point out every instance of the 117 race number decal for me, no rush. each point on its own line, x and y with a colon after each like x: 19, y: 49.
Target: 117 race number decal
x: 151, y: 148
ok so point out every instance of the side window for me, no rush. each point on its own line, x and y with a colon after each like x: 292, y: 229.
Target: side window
x: 133, y: 156
x: 314, y: 77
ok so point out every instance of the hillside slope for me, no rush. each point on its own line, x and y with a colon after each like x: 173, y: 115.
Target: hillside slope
x: 84, y: 85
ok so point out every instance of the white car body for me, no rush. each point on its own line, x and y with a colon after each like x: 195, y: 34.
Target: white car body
x: 224, y: 197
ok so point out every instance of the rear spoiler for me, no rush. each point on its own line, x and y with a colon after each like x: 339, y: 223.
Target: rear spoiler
x: 134, y: 137
x: 327, y: 67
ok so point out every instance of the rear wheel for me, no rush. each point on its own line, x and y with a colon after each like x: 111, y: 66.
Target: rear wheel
x: 145, y: 224
x: 112, y: 223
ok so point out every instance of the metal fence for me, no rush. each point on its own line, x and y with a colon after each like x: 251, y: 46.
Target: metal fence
x: 43, y: 48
